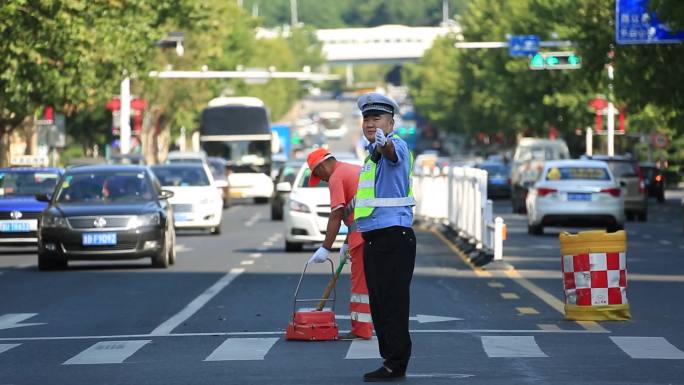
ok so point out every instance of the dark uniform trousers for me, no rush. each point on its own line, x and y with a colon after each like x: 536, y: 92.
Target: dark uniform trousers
x: 389, y: 258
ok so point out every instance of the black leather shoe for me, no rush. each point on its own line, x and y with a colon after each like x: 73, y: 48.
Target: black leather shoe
x: 350, y: 337
x: 384, y: 375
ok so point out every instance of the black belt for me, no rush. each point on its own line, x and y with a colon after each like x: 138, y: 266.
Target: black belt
x: 373, y: 234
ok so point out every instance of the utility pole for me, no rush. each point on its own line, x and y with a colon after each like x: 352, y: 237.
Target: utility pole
x: 445, y: 12
x: 611, y: 107
x: 255, y: 9
x: 239, y: 3
x: 125, y: 115
x: 293, y: 13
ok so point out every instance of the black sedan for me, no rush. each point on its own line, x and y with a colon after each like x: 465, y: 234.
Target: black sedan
x: 106, y: 212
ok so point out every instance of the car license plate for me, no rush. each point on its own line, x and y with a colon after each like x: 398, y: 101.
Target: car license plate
x: 343, y: 229
x: 16, y: 227
x: 579, y: 197
x: 98, y: 239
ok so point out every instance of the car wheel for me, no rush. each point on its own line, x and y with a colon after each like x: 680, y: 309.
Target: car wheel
x: 642, y: 216
x: 292, y: 246
x: 172, y: 249
x: 261, y: 200
x: 216, y: 230
x: 614, y: 228
x: 162, y: 259
x: 535, y: 229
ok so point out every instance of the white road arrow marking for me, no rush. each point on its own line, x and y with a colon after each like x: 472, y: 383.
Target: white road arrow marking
x: 421, y: 318
x: 9, y: 321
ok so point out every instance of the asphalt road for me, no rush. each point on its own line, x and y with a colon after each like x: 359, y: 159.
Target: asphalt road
x: 218, y: 316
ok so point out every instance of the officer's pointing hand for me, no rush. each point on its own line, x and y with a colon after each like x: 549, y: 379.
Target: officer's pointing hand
x: 380, y: 137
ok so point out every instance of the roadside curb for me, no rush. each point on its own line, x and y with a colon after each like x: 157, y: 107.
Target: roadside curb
x: 475, y: 258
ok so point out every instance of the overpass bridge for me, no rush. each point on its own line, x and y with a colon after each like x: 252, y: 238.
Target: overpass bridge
x: 392, y: 44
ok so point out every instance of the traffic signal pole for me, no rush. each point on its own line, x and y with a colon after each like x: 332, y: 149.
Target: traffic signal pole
x: 611, y: 113
x: 125, y: 116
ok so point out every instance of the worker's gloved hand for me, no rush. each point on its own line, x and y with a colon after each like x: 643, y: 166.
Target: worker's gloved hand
x: 321, y: 255
x: 344, y: 253
x: 380, y: 137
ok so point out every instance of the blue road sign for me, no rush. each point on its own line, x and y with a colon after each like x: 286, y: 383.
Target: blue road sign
x: 635, y: 24
x: 523, y: 45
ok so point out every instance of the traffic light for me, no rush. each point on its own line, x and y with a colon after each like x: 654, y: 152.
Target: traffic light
x: 555, y: 61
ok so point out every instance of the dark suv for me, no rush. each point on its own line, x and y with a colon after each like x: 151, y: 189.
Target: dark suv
x: 626, y: 170
x: 654, y: 180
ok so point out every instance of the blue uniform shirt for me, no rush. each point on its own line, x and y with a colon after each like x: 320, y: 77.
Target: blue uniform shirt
x: 391, y: 181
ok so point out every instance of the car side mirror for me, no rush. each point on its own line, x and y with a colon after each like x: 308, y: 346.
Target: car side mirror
x: 221, y: 183
x: 284, y: 187
x: 43, y: 197
x: 166, y: 194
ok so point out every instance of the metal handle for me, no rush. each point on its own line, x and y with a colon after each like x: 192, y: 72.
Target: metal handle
x: 296, y: 293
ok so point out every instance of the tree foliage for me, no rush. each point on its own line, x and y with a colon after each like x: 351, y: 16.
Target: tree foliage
x: 486, y: 90
x: 354, y: 13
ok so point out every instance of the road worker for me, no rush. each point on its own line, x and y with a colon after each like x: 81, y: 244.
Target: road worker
x: 342, y: 180
x: 383, y: 214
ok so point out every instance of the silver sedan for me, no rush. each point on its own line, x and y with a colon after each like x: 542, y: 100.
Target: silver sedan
x: 582, y: 193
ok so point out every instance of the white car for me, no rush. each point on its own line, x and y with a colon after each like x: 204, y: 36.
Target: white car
x: 575, y: 193
x: 306, y: 211
x: 196, y: 201
x: 332, y: 125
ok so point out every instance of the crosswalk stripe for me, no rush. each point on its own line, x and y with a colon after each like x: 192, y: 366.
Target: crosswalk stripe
x: 363, y: 349
x: 107, y: 352
x: 648, y: 347
x: 511, y: 346
x: 242, y: 349
x: 6, y: 347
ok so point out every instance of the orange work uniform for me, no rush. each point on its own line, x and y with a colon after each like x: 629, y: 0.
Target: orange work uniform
x: 342, y: 185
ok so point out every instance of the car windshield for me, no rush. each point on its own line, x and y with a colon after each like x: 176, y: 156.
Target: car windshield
x: 577, y: 173
x: 181, y: 176
x: 304, y: 181
x: 494, y: 169
x: 331, y: 123
x: 218, y: 169
x: 105, y: 187
x: 288, y: 173
x: 15, y: 183
x: 622, y: 169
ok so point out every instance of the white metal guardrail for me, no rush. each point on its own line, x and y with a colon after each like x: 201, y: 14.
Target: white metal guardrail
x: 457, y: 197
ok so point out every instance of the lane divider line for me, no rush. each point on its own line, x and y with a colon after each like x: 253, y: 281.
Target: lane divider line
x: 549, y: 327
x: 247, y: 262
x: 496, y: 285
x: 196, y: 304
x: 527, y: 310
x: 509, y: 296
x: 255, y: 255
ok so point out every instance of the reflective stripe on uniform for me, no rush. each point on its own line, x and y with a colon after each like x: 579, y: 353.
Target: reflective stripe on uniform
x: 361, y: 317
x: 386, y: 202
x: 360, y: 298
x: 366, y: 183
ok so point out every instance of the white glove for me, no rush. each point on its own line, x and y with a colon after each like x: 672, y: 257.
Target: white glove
x: 380, y: 138
x: 344, y: 253
x: 320, y: 256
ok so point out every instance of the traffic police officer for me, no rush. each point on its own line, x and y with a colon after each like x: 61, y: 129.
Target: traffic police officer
x: 383, y: 214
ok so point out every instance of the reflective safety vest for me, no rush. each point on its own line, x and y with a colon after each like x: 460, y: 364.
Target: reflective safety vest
x: 366, y: 201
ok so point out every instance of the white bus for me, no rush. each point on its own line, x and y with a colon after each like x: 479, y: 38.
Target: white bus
x: 238, y: 130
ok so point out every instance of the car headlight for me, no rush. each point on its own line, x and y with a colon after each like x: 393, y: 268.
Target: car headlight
x: 53, y: 221
x: 298, y: 206
x: 144, y: 220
